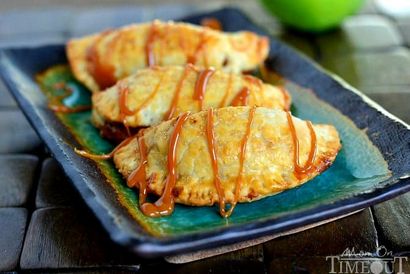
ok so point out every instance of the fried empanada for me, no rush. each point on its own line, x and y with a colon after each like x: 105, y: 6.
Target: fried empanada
x: 99, y: 60
x: 225, y: 156
x: 160, y: 93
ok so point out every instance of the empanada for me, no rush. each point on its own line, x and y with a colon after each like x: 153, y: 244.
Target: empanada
x: 225, y: 156
x: 160, y: 93
x: 99, y: 60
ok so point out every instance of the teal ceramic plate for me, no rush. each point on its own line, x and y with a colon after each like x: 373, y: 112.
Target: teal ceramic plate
x: 373, y: 165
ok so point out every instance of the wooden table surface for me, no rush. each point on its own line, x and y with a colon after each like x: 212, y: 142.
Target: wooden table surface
x: 44, y: 226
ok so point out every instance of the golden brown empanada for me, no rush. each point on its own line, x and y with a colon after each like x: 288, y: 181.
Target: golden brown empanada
x: 227, y: 155
x: 160, y: 93
x: 99, y: 60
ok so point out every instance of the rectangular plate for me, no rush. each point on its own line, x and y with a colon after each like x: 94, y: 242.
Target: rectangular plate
x: 373, y: 165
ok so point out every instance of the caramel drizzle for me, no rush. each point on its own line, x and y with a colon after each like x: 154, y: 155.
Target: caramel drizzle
x: 256, y: 82
x: 170, y: 113
x: 124, y: 110
x: 286, y: 97
x: 137, y: 177
x: 165, y: 204
x: 242, y: 98
x: 56, y: 102
x: 102, y: 72
x: 149, y: 45
x: 201, y: 84
x: 214, y: 160
x: 102, y: 156
x: 300, y: 170
x: 239, y: 179
x: 123, y: 98
x: 211, y: 146
x: 228, y: 91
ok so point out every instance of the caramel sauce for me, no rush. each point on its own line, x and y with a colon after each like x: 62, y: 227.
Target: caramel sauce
x: 124, y: 110
x: 300, y: 170
x: 149, y: 45
x: 228, y: 91
x: 211, y: 23
x: 210, y: 135
x: 242, y: 98
x: 103, y: 156
x: 286, y: 98
x: 201, y: 84
x: 123, y: 98
x: 102, y: 72
x: 56, y: 102
x: 171, y: 111
x: 244, y: 142
x: 138, y: 176
x: 211, y: 146
x: 165, y: 204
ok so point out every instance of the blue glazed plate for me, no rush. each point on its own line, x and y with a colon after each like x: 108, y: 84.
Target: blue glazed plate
x: 373, y: 165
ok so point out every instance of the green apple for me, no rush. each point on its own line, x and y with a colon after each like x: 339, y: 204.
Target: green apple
x: 312, y: 15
